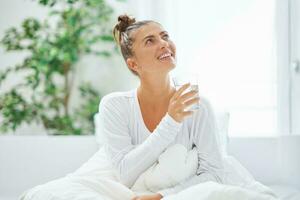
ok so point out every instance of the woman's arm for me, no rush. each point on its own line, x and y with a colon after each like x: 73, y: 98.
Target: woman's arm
x: 132, y: 160
x: 210, y: 159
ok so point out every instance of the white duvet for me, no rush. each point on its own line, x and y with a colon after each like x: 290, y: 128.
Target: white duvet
x: 173, y: 166
x: 96, y: 180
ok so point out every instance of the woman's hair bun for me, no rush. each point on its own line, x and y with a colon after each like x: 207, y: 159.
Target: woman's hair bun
x: 124, y: 21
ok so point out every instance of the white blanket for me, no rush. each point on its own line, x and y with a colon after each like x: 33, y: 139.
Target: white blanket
x: 214, y: 191
x: 96, y: 180
x: 173, y: 166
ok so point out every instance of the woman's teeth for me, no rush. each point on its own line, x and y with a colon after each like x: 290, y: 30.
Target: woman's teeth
x: 165, y: 55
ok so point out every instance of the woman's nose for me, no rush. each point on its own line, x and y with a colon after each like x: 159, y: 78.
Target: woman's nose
x: 163, y: 43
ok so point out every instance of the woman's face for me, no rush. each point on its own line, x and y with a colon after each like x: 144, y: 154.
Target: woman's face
x: 153, y: 51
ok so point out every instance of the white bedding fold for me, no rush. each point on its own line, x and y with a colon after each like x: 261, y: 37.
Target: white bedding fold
x: 96, y: 180
x: 173, y: 166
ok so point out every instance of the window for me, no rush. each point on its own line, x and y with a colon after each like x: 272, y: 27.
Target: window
x: 242, y: 51
x: 232, y: 47
x: 294, y: 58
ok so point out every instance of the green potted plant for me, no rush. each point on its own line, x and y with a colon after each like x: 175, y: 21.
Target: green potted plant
x: 77, y: 28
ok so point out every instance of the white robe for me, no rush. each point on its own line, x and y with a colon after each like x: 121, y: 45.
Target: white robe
x: 133, y: 148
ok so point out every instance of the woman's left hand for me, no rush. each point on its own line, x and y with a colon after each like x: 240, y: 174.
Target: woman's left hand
x: 148, y: 197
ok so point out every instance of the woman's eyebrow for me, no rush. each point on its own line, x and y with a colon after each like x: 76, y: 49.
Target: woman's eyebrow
x: 152, y: 36
x: 163, y: 32
x: 148, y: 36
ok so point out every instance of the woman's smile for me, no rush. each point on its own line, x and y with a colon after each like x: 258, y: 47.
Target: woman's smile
x: 166, y: 56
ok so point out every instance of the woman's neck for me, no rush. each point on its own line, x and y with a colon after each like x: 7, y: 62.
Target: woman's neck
x: 155, y: 94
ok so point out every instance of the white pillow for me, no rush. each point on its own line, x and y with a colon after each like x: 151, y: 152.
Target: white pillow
x: 97, y: 124
x: 222, y: 119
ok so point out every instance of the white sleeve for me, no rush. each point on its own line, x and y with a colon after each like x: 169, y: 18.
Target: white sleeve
x: 210, y: 158
x: 132, y: 160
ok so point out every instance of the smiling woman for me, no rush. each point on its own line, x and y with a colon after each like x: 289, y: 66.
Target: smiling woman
x: 140, y: 126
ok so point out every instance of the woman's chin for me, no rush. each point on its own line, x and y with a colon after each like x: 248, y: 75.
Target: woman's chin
x: 169, y: 64
x: 170, y: 67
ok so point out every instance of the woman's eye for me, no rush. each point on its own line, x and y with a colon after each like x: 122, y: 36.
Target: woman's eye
x: 149, y: 41
x: 166, y: 37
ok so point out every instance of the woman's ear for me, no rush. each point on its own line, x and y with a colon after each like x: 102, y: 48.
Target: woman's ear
x: 132, y: 64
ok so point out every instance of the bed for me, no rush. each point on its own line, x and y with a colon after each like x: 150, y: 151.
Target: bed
x: 91, y: 189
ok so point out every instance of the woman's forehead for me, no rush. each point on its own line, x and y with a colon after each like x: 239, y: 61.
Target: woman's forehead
x: 148, y: 30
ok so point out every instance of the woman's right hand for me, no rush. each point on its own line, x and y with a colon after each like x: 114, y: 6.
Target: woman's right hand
x: 179, y: 102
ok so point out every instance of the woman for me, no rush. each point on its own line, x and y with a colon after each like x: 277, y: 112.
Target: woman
x: 140, y: 124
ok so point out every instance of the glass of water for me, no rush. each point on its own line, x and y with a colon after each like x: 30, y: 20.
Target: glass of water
x: 179, y: 81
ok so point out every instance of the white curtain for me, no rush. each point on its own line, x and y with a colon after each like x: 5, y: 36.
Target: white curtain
x: 231, y: 45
